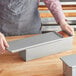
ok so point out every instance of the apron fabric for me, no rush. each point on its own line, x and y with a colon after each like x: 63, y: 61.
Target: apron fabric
x: 18, y: 17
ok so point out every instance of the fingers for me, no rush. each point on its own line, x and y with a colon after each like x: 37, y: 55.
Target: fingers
x: 2, y: 48
x: 71, y: 30
x: 3, y: 43
x: 67, y: 28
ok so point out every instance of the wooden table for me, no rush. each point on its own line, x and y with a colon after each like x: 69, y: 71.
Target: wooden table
x: 14, y: 65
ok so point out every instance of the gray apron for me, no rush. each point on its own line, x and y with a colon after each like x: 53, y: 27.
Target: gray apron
x: 18, y: 17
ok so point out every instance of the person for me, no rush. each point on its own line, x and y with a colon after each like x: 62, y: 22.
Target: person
x: 19, y: 17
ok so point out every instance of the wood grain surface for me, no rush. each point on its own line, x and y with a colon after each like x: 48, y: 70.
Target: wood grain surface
x: 14, y: 65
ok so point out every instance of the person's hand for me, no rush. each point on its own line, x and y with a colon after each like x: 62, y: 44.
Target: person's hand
x: 67, y: 28
x: 3, y: 43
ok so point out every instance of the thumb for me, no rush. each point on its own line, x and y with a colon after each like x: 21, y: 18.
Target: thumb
x: 5, y: 43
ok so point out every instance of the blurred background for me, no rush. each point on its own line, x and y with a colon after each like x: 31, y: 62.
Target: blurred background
x: 48, y: 21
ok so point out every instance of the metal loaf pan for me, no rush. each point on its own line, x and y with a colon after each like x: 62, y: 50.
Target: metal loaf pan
x: 40, y: 45
x: 69, y: 65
